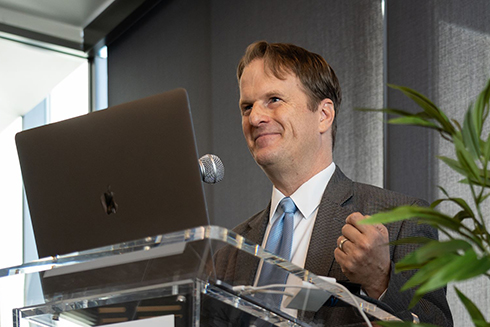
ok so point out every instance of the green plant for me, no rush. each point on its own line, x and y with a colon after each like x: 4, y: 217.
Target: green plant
x: 466, y: 252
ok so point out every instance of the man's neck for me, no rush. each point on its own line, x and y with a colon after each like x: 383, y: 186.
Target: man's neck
x: 289, y: 182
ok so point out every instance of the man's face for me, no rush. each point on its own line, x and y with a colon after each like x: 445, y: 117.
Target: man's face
x: 280, y: 130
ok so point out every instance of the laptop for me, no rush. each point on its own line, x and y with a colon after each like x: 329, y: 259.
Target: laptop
x: 114, y: 175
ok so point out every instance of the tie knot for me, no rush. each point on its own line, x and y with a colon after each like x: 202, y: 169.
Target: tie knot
x: 287, y: 205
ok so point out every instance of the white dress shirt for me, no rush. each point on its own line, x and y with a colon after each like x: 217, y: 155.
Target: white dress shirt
x: 307, y: 199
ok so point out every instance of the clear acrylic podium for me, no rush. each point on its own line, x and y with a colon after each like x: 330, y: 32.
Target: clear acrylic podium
x: 165, y: 280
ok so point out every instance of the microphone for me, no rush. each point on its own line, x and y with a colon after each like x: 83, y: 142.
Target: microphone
x: 212, y: 169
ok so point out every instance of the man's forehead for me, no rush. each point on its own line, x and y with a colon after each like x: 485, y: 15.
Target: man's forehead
x: 272, y: 69
x: 258, y: 69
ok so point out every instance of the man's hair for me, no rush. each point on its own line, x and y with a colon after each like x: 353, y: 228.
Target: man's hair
x: 317, y: 77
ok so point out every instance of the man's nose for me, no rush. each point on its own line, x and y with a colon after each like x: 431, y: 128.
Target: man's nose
x: 258, y: 115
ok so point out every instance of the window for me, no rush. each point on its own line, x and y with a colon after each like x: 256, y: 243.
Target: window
x: 65, y: 81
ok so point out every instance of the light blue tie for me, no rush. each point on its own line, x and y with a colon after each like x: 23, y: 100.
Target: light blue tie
x: 280, y: 241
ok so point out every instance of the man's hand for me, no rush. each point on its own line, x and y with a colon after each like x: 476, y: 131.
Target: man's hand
x: 363, y: 254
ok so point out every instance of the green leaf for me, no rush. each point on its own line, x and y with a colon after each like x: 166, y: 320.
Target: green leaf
x: 437, y: 202
x: 443, y: 191
x: 443, y: 276
x: 475, y: 313
x: 483, y: 183
x: 413, y: 120
x: 428, y: 106
x: 415, y: 299
x: 456, y: 123
x: 399, y: 213
x: 479, y: 229
x: 460, y: 202
x: 453, y: 260
x: 443, y: 222
x: 462, y: 215
x: 481, y: 107
x: 486, y: 149
x: 463, y: 204
x: 481, y: 323
x: 466, y: 160
x: 430, y: 251
x: 461, y: 268
x: 422, y: 214
x: 471, y: 135
x: 484, y: 197
x: 423, y: 114
x: 453, y: 164
x: 428, y: 270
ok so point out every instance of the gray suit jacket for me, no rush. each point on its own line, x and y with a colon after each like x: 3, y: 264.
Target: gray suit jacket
x: 341, y: 198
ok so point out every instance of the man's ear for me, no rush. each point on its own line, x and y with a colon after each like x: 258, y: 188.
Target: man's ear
x: 327, y: 115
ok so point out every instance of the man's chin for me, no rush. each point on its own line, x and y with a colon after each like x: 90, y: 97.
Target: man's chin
x: 265, y: 159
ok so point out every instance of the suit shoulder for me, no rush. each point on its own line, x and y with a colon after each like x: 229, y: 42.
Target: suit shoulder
x: 382, y: 198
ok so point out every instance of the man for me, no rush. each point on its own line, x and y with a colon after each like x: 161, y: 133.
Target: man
x: 289, y: 101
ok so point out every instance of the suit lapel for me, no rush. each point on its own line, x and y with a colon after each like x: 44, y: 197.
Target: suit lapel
x: 328, y: 226
x: 258, y: 225
x: 248, y: 264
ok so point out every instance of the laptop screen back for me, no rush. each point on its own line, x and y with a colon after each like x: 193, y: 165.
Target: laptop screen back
x: 114, y: 175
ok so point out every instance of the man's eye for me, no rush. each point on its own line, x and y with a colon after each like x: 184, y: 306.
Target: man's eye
x: 246, y: 109
x: 274, y: 99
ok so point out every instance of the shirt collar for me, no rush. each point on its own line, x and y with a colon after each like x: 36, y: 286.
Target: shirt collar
x: 308, y: 196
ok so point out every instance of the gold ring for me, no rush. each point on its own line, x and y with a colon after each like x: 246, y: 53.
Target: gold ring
x: 341, y: 244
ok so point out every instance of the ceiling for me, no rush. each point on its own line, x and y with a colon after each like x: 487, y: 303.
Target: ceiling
x: 71, y: 12
x: 43, y: 41
x: 63, y: 19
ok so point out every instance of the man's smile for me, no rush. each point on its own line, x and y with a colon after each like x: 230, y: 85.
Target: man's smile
x: 263, y: 139
x: 262, y: 135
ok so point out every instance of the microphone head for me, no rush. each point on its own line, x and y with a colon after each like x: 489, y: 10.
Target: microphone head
x: 212, y: 169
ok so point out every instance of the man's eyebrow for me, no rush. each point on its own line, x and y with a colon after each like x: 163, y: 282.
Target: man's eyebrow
x: 243, y: 102
x: 267, y: 95
x: 274, y: 93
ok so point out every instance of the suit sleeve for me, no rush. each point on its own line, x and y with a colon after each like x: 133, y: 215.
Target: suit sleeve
x: 433, y: 307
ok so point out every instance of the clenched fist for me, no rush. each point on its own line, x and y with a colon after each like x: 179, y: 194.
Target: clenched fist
x: 364, y: 255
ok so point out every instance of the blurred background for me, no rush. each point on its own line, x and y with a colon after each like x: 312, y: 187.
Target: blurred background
x: 63, y: 58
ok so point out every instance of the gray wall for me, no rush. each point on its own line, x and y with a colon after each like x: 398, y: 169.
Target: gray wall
x: 442, y: 49
x: 197, y: 45
x: 438, y: 47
